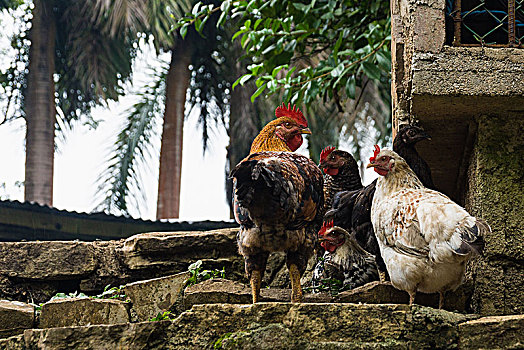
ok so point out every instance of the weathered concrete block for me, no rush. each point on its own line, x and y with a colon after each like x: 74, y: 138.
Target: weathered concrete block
x: 146, y: 335
x: 493, y: 332
x: 218, y: 290
x: 15, y: 317
x: 428, y: 29
x: 384, y: 293
x: 13, y: 343
x: 345, y: 325
x: 156, y: 295
x: 50, y: 260
x: 289, y: 326
x: 159, y: 248
x: 82, y: 312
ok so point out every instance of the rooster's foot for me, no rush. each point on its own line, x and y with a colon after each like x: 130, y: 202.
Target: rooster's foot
x: 296, y: 289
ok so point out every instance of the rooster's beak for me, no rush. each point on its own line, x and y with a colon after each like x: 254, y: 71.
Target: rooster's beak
x: 371, y: 165
x: 305, y: 131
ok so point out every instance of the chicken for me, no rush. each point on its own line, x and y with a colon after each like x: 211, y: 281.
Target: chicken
x: 352, y: 209
x: 424, y: 237
x: 341, y: 173
x: 404, y: 144
x: 343, y: 260
x: 278, y: 200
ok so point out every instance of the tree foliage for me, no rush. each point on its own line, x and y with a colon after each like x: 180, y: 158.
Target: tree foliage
x: 307, y: 49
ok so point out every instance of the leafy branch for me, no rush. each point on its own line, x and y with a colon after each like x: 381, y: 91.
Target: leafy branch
x: 304, y: 49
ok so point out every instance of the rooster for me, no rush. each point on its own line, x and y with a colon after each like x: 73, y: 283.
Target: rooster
x: 344, y: 259
x: 424, y: 237
x: 352, y: 209
x: 278, y: 200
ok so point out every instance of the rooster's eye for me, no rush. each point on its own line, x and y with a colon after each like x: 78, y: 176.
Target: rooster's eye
x: 287, y: 125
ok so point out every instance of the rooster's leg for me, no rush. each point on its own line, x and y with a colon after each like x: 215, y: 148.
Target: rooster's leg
x: 255, y: 267
x: 441, y: 300
x: 412, y: 297
x: 296, y: 264
x: 382, y: 276
x: 255, y: 280
x: 296, y: 288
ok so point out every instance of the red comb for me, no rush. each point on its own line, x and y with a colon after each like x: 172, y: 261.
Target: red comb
x: 294, y: 113
x: 375, y: 153
x: 325, y: 226
x: 326, y: 152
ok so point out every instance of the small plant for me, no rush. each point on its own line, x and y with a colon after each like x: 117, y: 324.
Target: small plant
x: 218, y: 343
x: 166, y: 315
x: 198, y: 275
x: 76, y: 294
x: 111, y: 293
x: 331, y: 285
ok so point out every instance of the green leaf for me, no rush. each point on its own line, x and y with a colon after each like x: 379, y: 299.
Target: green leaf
x: 338, y: 70
x: 224, y: 7
x: 337, y: 46
x: 259, y: 91
x: 183, y: 31
x: 278, y: 69
x: 371, y: 70
x: 351, y: 87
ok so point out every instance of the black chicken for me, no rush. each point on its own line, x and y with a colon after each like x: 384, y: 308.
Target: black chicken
x: 341, y: 173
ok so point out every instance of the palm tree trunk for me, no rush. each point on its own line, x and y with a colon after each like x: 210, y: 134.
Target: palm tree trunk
x: 168, y: 204
x: 40, y: 106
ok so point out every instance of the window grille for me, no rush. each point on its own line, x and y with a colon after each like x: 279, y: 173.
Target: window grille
x: 496, y: 23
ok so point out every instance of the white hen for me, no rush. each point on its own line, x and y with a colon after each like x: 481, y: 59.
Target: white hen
x: 424, y: 237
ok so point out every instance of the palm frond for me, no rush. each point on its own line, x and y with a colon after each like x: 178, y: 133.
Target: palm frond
x: 118, y: 183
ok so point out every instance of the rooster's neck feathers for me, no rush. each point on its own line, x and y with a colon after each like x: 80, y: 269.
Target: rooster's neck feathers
x: 268, y: 140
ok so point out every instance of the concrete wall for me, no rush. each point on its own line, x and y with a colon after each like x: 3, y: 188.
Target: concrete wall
x: 471, y: 101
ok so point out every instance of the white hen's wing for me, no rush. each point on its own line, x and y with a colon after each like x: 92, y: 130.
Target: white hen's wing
x: 425, y: 223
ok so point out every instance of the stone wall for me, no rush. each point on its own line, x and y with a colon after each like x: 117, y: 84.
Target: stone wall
x: 471, y: 101
x: 495, y: 193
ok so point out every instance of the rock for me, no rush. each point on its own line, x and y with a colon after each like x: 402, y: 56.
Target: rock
x: 160, y: 248
x: 493, y: 332
x: 156, y: 295
x: 83, y: 311
x: 218, y: 290
x: 384, y: 293
x: 15, y: 317
x: 13, y: 343
x: 50, y: 260
x: 289, y: 326
x: 348, y: 325
x: 146, y: 335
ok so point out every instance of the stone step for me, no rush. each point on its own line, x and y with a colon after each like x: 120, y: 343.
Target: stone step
x: 146, y: 299
x: 289, y: 326
x: 226, y: 291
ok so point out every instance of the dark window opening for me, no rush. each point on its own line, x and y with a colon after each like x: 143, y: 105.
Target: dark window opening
x: 497, y: 23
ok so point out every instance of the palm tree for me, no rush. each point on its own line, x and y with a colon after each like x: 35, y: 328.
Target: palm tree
x: 76, y: 61
x: 208, y: 93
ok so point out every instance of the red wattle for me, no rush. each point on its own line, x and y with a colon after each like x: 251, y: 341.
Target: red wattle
x: 331, y: 171
x: 380, y: 171
x: 295, y: 142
